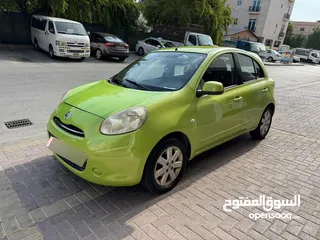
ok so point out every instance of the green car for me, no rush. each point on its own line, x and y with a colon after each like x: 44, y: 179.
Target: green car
x: 145, y: 123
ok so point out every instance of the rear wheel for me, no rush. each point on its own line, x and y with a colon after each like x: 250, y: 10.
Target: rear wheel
x: 264, y: 125
x: 36, y: 45
x: 165, y: 166
x: 140, y: 51
x: 51, y: 52
x: 98, y: 54
x: 270, y: 59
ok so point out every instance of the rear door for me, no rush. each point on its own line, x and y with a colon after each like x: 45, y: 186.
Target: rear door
x: 254, y: 89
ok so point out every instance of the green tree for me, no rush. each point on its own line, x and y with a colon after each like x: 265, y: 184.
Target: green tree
x: 314, y: 40
x: 111, y: 13
x: 214, y: 15
x: 289, y: 31
x: 295, y: 41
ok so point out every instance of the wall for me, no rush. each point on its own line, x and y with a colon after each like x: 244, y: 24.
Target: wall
x: 15, y: 29
x: 308, y: 26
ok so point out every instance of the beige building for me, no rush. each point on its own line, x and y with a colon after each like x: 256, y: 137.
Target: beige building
x: 267, y: 19
x: 305, y: 28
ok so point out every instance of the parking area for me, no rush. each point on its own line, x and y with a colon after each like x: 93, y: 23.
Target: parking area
x: 40, y: 199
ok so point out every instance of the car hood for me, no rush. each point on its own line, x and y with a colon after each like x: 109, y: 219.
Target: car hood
x: 72, y: 38
x: 103, y: 99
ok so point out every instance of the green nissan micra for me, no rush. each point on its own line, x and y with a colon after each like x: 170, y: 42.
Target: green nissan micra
x: 145, y: 123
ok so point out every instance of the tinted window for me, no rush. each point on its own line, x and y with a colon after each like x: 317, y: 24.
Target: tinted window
x: 193, y: 39
x: 161, y: 71
x: 247, y: 68
x: 99, y: 39
x: 154, y: 43
x: 221, y: 70
x: 51, y: 27
x: 148, y: 41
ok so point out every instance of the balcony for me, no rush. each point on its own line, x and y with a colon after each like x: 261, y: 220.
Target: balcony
x: 281, y: 35
x: 286, y: 17
x: 254, y: 9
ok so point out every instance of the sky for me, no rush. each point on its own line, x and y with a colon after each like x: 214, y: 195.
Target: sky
x: 306, y: 10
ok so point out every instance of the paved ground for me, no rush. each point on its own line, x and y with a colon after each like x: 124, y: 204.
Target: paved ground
x: 41, y: 199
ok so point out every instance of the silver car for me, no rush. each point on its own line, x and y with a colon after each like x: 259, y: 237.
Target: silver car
x: 108, y: 45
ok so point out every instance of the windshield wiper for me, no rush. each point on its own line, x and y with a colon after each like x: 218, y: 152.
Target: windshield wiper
x: 136, y: 84
x: 62, y: 32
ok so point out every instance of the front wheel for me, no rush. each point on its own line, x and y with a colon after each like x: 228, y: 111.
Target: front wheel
x: 264, y: 125
x: 165, y: 166
x: 270, y: 59
x: 51, y: 52
x: 121, y: 59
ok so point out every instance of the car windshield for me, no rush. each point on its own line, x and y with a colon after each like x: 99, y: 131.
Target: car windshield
x: 205, y: 40
x: 258, y: 47
x: 70, y: 28
x: 112, y: 39
x: 160, y: 71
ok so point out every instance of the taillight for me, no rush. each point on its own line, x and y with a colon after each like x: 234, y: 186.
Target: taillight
x: 126, y: 46
x: 109, y: 44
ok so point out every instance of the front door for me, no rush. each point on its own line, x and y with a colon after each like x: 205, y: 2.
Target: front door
x: 51, y: 35
x: 219, y: 117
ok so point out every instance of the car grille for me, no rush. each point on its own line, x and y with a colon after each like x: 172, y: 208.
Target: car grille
x: 75, y: 51
x: 71, y: 164
x: 68, y: 128
x: 71, y: 44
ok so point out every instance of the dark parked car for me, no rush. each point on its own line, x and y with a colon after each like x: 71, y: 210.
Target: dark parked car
x: 108, y: 45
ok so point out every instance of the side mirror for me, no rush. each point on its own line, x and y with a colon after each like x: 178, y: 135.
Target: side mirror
x: 211, y: 88
x: 51, y: 30
x: 158, y: 46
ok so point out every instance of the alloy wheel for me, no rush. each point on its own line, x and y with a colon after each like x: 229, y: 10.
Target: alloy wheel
x: 265, y: 123
x: 98, y: 54
x: 168, y: 166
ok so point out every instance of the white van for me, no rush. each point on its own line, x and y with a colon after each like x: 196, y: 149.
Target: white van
x: 60, y: 37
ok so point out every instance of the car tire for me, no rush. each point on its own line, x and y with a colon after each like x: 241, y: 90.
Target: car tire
x: 121, y: 59
x: 82, y: 59
x: 264, y: 125
x: 98, y: 54
x: 270, y: 59
x: 140, y: 51
x: 36, y: 45
x: 162, y: 172
x: 51, y: 52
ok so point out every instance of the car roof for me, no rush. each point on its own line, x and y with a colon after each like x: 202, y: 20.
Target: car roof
x: 105, y: 34
x: 210, y: 50
x: 55, y: 19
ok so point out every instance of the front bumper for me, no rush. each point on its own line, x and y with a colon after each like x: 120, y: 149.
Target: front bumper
x: 110, y: 160
x: 72, y: 52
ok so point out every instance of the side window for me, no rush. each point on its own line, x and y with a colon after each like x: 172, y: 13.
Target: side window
x: 51, y: 27
x: 221, y: 70
x: 92, y: 37
x: 148, y: 41
x: 259, y: 71
x: 193, y: 39
x: 247, y: 68
x: 154, y: 43
x: 99, y: 39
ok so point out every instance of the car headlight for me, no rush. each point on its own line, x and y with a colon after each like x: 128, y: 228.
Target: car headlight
x: 87, y: 45
x: 64, y: 96
x: 60, y: 43
x: 125, y: 121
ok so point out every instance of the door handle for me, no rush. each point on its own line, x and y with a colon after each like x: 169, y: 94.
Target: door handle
x: 265, y: 90
x: 237, y: 99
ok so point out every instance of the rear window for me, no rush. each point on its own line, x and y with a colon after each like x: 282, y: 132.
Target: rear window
x: 205, y: 40
x: 38, y: 23
x: 112, y: 39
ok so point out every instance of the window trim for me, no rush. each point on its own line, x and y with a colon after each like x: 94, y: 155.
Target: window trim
x: 241, y: 82
x: 237, y: 78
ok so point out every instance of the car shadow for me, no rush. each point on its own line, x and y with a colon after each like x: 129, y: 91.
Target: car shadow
x: 44, y: 183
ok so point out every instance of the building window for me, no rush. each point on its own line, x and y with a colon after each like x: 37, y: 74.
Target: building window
x: 301, y: 29
x: 252, y: 25
x: 235, y: 21
x: 281, y: 5
x: 276, y: 25
x: 239, y: 2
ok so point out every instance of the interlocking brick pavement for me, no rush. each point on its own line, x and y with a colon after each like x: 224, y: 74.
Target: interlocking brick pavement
x: 40, y: 199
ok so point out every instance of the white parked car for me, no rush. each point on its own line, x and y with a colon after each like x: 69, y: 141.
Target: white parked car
x: 273, y: 56
x: 60, y: 37
x: 150, y: 44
